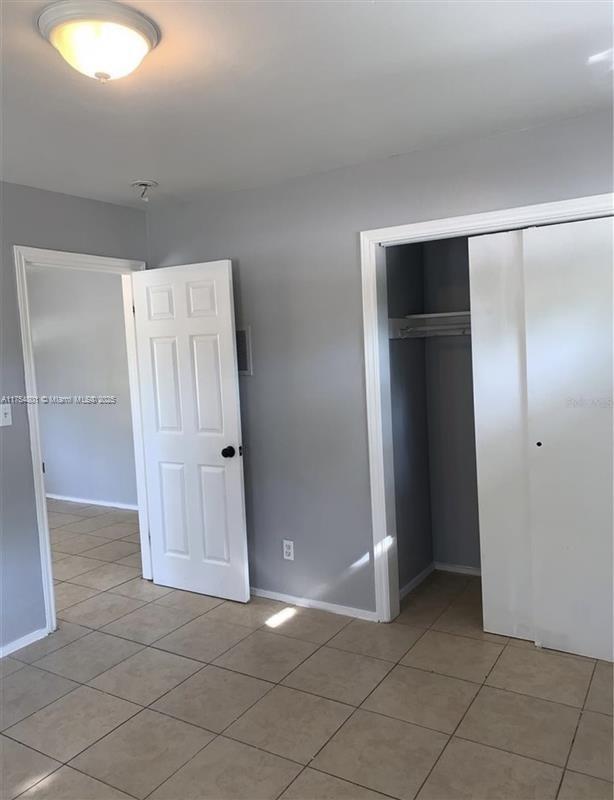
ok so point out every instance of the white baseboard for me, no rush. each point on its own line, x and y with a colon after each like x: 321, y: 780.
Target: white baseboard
x: 305, y: 602
x: 29, y: 638
x: 84, y: 501
x: 462, y: 570
x: 414, y: 582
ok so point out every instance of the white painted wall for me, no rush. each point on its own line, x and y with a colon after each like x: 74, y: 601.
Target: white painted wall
x: 80, y: 349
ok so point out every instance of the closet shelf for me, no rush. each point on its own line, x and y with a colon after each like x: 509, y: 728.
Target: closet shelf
x: 419, y: 326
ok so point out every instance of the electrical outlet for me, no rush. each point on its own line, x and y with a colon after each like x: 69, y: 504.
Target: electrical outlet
x: 288, y: 549
x: 6, y: 414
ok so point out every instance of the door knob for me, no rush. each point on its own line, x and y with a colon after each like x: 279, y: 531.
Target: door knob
x: 228, y: 452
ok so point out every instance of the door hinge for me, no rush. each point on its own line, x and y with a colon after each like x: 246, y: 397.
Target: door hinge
x: 149, y: 535
x: 240, y: 449
x: 133, y: 309
x: 43, y: 467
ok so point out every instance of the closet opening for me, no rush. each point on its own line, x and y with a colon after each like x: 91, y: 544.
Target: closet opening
x: 433, y: 429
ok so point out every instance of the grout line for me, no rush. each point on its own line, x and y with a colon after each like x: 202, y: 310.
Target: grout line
x: 575, y: 733
x: 273, y: 685
x: 452, y: 735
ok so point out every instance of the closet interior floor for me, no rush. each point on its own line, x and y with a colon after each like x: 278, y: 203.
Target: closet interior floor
x: 144, y: 691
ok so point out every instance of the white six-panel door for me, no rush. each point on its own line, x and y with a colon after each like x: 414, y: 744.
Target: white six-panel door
x: 568, y: 308
x: 192, y: 428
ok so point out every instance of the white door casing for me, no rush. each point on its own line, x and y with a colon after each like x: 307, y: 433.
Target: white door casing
x: 185, y: 333
x: 568, y: 307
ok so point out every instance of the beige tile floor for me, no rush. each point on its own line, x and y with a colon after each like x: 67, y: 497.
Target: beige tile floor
x: 147, y: 692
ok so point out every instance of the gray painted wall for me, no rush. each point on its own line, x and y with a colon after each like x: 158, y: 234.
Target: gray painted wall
x: 58, y: 222
x: 77, y: 322
x: 451, y: 421
x: 405, y: 288
x: 296, y: 256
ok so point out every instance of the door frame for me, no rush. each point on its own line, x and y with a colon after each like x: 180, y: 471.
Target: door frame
x: 377, y: 368
x: 55, y: 259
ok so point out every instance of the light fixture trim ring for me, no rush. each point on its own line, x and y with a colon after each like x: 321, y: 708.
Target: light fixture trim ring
x: 104, y: 10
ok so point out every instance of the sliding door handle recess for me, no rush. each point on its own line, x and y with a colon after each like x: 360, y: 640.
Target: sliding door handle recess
x: 228, y: 452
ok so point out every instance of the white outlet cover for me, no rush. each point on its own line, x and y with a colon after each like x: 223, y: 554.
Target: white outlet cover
x: 6, y: 414
x: 288, y: 549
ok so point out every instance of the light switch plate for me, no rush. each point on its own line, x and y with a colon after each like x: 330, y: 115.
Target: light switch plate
x: 6, y: 414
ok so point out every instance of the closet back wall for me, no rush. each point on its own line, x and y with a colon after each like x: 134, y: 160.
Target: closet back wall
x: 295, y: 250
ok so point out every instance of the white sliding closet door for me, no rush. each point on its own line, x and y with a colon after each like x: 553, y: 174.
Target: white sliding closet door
x: 499, y: 391
x: 568, y: 308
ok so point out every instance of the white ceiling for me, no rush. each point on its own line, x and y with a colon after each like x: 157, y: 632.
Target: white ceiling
x: 239, y: 94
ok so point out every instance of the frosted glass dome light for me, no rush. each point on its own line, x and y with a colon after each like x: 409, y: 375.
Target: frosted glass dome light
x: 99, y: 38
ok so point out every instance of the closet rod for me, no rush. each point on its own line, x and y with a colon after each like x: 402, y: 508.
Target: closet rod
x: 423, y: 333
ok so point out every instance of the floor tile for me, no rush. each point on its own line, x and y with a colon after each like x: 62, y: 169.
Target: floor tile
x: 266, y: 655
x: 592, y: 748
x: 21, y: 767
x: 203, y: 640
x: 309, y: 624
x: 524, y: 725
x: 56, y: 519
x: 135, y: 538
x: 149, y: 623
x: 9, y: 665
x: 117, y: 531
x: 91, y: 524
x: 600, y: 692
x: 380, y: 640
x: 291, y: 724
x: 135, y: 561
x: 581, y: 787
x: 421, y: 610
x: 27, y: 690
x: 55, y: 557
x: 141, y: 589
x: 252, y: 615
x: 189, y: 601
x: 65, y: 634
x: 424, y: 698
x: 113, y: 551
x: 146, y: 676
x: 68, y: 726
x: 69, y: 594
x: 100, y: 610
x: 312, y: 784
x: 228, y: 770
x: 68, y: 784
x: 563, y: 679
x: 75, y: 544
x: 448, y: 584
x: 466, y: 620
x: 142, y: 753
x: 88, y: 656
x: 90, y: 511
x: 338, y: 675
x: 73, y: 566
x: 213, y: 698
x: 65, y: 507
x: 468, y: 771
x: 456, y: 656
x: 383, y: 754
x: 106, y: 576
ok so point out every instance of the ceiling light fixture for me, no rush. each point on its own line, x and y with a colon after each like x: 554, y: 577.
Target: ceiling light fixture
x: 99, y: 38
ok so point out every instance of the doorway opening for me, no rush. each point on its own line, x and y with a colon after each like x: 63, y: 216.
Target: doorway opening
x: 433, y: 430
x: 83, y: 412
x: 135, y: 429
